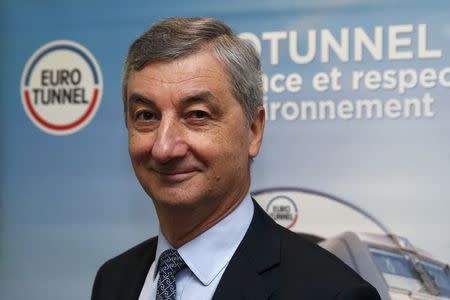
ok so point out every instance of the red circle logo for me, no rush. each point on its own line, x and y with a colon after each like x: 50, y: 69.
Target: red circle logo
x: 61, y: 87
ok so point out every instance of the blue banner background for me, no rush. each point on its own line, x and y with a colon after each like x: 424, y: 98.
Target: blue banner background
x: 69, y: 203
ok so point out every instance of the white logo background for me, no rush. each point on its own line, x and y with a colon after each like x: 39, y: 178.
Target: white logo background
x: 61, y: 117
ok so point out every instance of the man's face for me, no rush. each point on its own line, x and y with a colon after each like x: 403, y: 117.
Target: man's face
x: 188, y: 139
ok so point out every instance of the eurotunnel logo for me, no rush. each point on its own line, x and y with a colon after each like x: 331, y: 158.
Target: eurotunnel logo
x: 61, y: 87
x: 283, y: 210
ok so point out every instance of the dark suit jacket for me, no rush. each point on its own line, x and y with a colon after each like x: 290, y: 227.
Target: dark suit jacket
x: 270, y: 263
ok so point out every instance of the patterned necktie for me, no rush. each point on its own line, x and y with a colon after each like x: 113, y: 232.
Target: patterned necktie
x: 170, y: 263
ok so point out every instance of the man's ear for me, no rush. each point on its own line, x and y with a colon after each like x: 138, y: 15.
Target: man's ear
x: 256, y: 132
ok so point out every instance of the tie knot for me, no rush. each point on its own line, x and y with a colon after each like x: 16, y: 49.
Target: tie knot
x: 170, y: 263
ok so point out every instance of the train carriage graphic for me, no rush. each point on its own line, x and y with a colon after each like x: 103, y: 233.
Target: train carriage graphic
x: 398, y: 269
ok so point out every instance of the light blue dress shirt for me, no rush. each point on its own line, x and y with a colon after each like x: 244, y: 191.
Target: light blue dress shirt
x: 206, y: 256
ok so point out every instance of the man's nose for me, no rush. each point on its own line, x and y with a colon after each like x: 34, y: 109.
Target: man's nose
x: 170, y: 141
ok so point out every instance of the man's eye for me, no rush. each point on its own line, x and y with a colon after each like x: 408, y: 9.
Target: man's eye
x: 145, y: 116
x: 198, y: 114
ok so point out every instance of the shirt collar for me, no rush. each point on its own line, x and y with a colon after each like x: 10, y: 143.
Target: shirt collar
x: 210, y: 252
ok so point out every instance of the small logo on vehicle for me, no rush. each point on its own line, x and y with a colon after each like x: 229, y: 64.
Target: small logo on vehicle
x: 283, y: 210
x: 61, y: 87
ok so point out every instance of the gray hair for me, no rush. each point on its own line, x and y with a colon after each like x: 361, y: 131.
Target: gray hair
x: 173, y: 38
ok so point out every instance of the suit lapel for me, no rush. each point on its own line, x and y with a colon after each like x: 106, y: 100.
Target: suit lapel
x: 134, y: 277
x: 252, y: 271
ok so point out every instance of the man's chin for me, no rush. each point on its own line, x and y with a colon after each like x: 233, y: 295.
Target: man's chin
x: 177, y: 199
x: 177, y: 190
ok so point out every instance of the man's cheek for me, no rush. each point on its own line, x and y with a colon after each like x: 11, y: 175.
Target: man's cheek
x: 138, y: 145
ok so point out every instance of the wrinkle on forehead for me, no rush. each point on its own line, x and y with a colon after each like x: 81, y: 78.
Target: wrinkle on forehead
x: 161, y: 80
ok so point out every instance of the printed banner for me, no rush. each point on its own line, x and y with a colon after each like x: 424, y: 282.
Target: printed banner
x: 355, y: 157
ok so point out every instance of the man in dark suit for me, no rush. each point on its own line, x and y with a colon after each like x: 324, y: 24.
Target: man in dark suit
x: 193, y: 106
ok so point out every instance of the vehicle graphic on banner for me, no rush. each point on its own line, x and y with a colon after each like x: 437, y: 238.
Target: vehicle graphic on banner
x: 399, y: 270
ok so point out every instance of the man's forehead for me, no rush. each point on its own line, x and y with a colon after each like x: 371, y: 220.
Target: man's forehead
x: 151, y: 75
x: 202, y: 64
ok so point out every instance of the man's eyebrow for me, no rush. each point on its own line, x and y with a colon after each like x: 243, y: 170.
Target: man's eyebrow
x: 202, y: 97
x: 137, y: 98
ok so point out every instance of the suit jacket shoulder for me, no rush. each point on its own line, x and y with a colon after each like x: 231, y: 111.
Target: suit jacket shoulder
x: 123, y: 276
x: 311, y: 272
x: 274, y: 263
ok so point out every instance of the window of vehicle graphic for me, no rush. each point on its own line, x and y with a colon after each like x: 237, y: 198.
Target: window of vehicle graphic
x: 440, y: 275
x: 393, y: 263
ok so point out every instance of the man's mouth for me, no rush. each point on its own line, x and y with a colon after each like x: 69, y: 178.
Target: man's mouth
x: 175, y: 176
